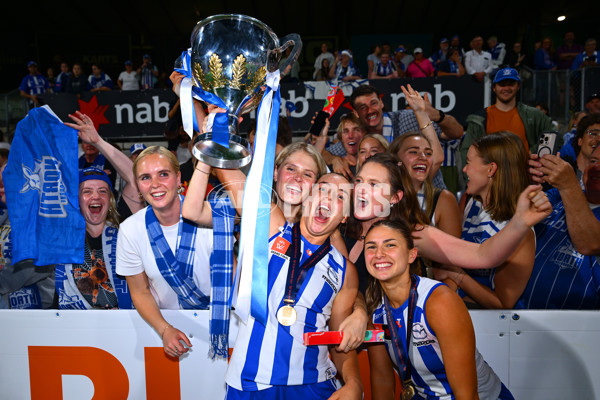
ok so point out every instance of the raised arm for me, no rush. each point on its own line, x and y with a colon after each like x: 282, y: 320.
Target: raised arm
x: 419, y: 107
x: 532, y: 207
x: 123, y: 164
x: 195, y: 208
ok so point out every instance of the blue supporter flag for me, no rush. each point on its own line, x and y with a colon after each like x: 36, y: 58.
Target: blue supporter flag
x: 42, y: 185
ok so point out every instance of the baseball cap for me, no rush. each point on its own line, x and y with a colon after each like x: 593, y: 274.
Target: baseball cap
x: 91, y: 173
x: 444, y: 40
x: 417, y: 50
x: 507, y: 73
x: 592, y: 97
x: 146, y: 56
x: 128, y: 62
x: 137, y: 147
x: 31, y: 63
x: 346, y: 52
x: 400, y: 49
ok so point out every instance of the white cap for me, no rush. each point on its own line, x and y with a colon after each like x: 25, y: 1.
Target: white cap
x: 417, y: 50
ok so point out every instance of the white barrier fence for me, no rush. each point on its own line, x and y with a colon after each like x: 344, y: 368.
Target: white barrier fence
x: 80, y: 355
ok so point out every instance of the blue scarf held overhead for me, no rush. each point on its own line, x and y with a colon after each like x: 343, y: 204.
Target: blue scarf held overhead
x: 42, y: 191
x: 178, y: 270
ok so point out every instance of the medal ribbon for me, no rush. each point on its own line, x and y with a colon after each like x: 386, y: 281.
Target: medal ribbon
x: 297, y: 272
x: 404, y: 365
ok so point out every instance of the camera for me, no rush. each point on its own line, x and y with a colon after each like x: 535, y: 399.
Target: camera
x: 547, y: 143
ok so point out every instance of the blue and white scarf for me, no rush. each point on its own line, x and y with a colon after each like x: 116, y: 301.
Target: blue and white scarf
x: 177, y: 270
x: 70, y: 298
x: 221, y: 274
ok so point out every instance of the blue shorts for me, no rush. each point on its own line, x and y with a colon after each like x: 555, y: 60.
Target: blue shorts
x: 322, y: 390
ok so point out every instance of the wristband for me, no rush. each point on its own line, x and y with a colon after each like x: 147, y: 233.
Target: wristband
x: 164, y: 330
x: 198, y: 169
x: 442, y: 116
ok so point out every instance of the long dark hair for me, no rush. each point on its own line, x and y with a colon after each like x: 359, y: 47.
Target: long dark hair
x: 374, y: 292
x: 407, y: 209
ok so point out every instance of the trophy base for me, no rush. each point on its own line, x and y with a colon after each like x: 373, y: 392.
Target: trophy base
x: 238, y: 154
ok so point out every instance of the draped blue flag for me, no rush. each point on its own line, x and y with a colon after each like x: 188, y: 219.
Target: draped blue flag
x: 42, y: 191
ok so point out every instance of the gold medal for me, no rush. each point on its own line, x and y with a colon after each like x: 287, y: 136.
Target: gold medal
x: 408, y: 390
x: 286, y: 315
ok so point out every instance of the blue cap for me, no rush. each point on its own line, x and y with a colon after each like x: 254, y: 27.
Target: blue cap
x: 31, y: 63
x: 400, y: 49
x: 444, y: 40
x: 507, y: 73
x: 91, y: 173
x: 128, y: 62
x: 290, y: 106
x: 146, y: 56
x: 137, y: 147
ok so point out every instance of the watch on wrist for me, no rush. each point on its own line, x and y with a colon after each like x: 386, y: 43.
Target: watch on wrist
x: 442, y: 116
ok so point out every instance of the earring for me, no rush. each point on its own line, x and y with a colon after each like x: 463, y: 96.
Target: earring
x: 489, y: 176
x: 140, y: 196
x: 180, y: 189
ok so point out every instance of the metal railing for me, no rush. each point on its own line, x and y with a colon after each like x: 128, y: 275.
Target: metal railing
x: 563, y: 91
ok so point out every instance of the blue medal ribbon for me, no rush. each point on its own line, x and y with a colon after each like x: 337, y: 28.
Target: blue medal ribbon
x: 220, y: 129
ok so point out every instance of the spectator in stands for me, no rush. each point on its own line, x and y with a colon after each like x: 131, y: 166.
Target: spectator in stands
x: 592, y: 104
x: 77, y: 82
x: 371, y: 144
x: 99, y: 81
x: 94, y: 284
x: 325, y: 55
x: 567, y: 152
x: 344, y: 69
x: 497, y: 50
x: 369, y: 107
x: 148, y: 72
x: 62, y: 79
x: 385, y: 68
x: 373, y: 59
x: 544, y: 56
x: 497, y: 170
x: 506, y: 115
x: 51, y: 79
x: 455, y: 42
x: 92, y: 158
x: 588, y: 58
x: 129, y: 79
x: 350, y: 131
x: 452, y: 66
x: 567, y: 241
x: 323, y: 73
x: 440, y: 55
x: 478, y: 62
x: 587, y: 138
x: 135, y: 150
x: 515, y: 57
x: 292, y: 72
x: 566, y: 53
x: 402, y: 58
x: 420, y: 67
x: 33, y: 85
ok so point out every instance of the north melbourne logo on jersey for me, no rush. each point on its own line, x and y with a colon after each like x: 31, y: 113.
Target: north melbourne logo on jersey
x: 46, y: 178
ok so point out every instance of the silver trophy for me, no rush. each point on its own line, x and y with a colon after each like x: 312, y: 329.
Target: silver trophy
x: 231, y: 55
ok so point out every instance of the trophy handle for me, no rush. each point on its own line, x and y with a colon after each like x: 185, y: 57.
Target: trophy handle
x: 274, y: 57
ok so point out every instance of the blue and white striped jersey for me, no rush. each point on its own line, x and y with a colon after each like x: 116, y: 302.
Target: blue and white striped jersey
x: 428, y: 371
x: 562, y: 278
x: 275, y: 354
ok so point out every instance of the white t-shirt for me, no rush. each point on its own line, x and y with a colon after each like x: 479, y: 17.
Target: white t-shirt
x: 135, y: 255
x: 130, y: 80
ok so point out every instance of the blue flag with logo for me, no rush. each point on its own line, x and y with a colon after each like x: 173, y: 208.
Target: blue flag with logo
x: 42, y: 185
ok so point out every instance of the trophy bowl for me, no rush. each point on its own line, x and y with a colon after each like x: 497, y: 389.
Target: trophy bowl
x: 230, y: 56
